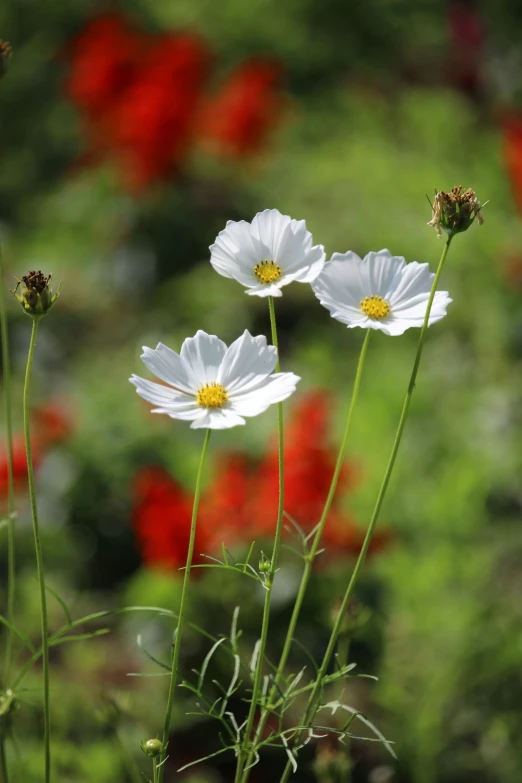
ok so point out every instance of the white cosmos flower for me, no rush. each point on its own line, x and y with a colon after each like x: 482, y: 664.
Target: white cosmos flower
x: 268, y: 253
x: 211, y: 385
x: 380, y: 291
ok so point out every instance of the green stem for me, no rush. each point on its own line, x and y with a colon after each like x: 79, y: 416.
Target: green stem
x: 314, y: 548
x: 312, y: 706
x: 181, y: 616
x: 343, y: 651
x: 155, y: 776
x: 244, y: 751
x: 39, y: 555
x: 6, y: 371
x: 3, y: 757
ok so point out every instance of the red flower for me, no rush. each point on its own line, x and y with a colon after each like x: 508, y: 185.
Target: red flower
x: 151, y: 125
x: 138, y: 94
x: 236, y: 120
x: 309, y: 466
x: 19, y: 463
x: 51, y: 423
x: 240, y: 505
x: 511, y: 128
x: 105, y: 57
x: 162, y: 516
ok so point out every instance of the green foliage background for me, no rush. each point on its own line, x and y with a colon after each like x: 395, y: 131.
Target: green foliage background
x: 359, y: 148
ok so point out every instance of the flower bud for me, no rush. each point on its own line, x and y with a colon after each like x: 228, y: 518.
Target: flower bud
x: 151, y: 747
x: 36, y: 297
x: 264, y: 565
x: 454, y: 212
x: 5, y: 55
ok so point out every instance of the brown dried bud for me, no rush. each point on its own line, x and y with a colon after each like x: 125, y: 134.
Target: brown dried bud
x: 454, y: 212
x: 5, y: 55
x: 37, y: 297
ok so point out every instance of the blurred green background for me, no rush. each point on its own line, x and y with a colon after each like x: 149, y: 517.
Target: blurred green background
x: 130, y: 133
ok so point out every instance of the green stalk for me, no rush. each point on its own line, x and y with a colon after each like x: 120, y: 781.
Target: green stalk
x: 3, y: 758
x: 39, y: 555
x: 181, y: 617
x: 244, y: 750
x: 312, y: 706
x: 6, y: 369
x: 310, y: 557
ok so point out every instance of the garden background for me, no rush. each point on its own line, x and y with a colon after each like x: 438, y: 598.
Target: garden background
x: 129, y: 135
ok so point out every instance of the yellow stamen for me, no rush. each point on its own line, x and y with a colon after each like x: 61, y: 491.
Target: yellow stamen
x: 267, y: 271
x: 375, y: 307
x: 212, y: 395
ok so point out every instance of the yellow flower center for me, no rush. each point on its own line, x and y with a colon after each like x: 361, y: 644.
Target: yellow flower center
x: 375, y: 307
x: 212, y: 395
x: 267, y: 271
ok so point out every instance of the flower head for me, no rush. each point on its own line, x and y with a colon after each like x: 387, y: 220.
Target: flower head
x: 267, y: 254
x: 380, y: 291
x: 211, y: 385
x: 455, y: 211
x: 37, y: 297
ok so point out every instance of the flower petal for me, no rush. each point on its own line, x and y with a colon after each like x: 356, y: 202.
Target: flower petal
x: 384, y: 269
x: 201, y: 357
x: 247, y: 362
x: 166, y: 365
x: 217, y: 419
x: 236, y: 252
x: 270, y: 227
x: 163, y: 396
x: 270, y: 390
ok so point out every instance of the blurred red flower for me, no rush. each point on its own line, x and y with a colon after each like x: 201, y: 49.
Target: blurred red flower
x: 141, y: 99
x: 51, y: 423
x: 511, y: 129
x: 240, y: 505
x: 104, y: 59
x: 19, y: 463
x: 151, y: 125
x: 236, y: 119
x: 162, y: 515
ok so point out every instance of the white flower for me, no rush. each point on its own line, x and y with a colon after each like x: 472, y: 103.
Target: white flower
x: 267, y: 254
x: 380, y: 291
x: 211, y: 385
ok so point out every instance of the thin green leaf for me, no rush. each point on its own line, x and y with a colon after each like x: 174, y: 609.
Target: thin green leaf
x: 206, y: 662
x: 62, y: 603
x: 150, y: 656
x: 79, y: 637
x: 17, y: 633
x: 204, y: 758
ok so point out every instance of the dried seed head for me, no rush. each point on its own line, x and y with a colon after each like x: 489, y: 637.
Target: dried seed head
x: 454, y: 212
x: 36, y: 297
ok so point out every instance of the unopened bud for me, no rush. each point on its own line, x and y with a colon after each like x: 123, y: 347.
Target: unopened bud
x: 454, y: 212
x: 36, y: 296
x: 5, y: 55
x: 151, y: 747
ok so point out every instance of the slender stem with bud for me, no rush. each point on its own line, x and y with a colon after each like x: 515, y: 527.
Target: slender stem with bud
x: 39, y: 555
x: 159, y: 767
x: 244, y: 751
x: 310, y: 557
x: 313, y: 703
